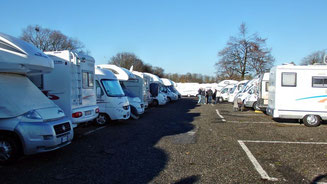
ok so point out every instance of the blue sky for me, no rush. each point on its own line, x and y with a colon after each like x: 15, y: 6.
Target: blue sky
x: 178, y: 35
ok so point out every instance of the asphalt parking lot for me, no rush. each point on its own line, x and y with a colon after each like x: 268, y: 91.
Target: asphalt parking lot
x: 183, y: 142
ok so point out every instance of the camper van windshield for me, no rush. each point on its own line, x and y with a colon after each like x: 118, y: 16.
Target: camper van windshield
x: 172, y: 89
x: 112, y: 87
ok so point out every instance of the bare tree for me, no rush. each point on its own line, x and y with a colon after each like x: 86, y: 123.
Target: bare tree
x: 126, y: 60
x: 50, y: 40
x: 244, y: 55
x: 315, y: 57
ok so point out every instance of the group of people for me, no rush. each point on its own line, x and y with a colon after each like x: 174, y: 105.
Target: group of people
x: 207, y: 96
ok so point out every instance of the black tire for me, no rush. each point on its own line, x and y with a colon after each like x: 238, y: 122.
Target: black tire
x: 220, y: 100
x: 102, y: 119
x: 135, y: 116
x: 9, y: 149
x: 311, y: 120
x: 155, y: 103
x: 169, y: 99
x: 256, y: 106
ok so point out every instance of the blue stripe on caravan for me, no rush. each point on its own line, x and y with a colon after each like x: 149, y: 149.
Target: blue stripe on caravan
x: 311, y: 97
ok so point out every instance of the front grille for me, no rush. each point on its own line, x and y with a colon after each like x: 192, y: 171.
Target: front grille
x: 126, y: 107
x: 62, y: 128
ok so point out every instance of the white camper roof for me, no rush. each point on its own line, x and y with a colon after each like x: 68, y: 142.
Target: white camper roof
x: 167, y: 82
x: 103, y: 73
x: 121, y: 73
x: 154, y: 78
x: 18, y: 56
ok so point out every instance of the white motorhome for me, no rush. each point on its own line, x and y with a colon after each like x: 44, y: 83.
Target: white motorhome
x: 111, y: 99
x: 298, y: 92
x: 29, y: 122
x: 248, y: 89
x: 224, y: 83
x: 156, y: 90
x: 263, y: 85
x: 134, y: 92
x: 171, y: 95
x: 237, y: 87
x: 141, y: 87
x: 223, y: 94
x: 71, y: 85
x: 170, y: 85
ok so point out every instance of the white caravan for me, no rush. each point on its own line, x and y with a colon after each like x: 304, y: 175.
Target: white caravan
x: 71, y: 85
x: 111, y: 99
x: 224, y: 83
x: 263, y: 85
x: 157, y: 95
x: 188, y: 89
x: 298, y: 92
x: 133, y: 92
x: 223, y: 94
x: 237, y: 87
x: 29, y: 122
x: 171, y: 95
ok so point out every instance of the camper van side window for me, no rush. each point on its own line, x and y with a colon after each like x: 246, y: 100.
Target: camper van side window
x: 88, y: 79
x: 319, y: 82
x: 288, y: 79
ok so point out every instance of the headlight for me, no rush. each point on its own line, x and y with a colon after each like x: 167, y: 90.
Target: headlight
x: 32, y: 115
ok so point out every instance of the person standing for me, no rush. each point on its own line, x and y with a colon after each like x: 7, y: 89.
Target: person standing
x: 210, y: 93
x: 199, y: 95
x: 203, y: 96
x: 214, y: 96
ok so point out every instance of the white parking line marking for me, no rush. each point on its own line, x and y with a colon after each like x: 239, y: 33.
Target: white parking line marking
x: 260, y: 122
x: 255, y: 163
x: 222, y: 117
x: 285, y: 142
x: 212, y: 105
x: 91, y: 131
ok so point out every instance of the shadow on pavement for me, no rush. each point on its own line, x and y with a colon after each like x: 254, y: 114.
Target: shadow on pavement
x: 188, y: 180
x: 120, y: 153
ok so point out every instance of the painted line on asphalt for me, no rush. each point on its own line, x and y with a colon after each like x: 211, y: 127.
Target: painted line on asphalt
x: 212, y: 105
x: 222, y: 117
x: 92, y: 131
x: 256, y: 164
x: 259, y: 122
x: 285, y: 142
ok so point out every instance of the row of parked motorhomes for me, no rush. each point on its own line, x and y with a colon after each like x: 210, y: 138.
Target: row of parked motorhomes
x: 45, y: 95
x: 286, y: 92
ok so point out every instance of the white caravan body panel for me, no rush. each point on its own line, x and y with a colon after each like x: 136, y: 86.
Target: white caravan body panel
x: 296, y: 91
x: 71, y: 84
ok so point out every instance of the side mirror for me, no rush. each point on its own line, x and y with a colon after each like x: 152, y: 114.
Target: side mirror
x: 98, y: 91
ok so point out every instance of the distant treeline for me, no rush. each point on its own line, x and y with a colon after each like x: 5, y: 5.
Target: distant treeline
x: 127, y: 60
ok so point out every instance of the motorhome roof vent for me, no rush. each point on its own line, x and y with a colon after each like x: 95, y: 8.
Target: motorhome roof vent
x: 293, y: 64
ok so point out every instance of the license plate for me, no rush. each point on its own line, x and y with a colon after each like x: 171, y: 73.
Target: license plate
x: 87, y: 113
x: 64, y: 139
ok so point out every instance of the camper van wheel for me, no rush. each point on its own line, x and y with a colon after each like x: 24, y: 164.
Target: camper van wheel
x: 9, y: 149
x: 102, y: 119
x: 311, y: 120
x: 256, y: 106
x: 220, y: 100
x: 155, y: 103
x: 134, y: 116
x: 169, y: 99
